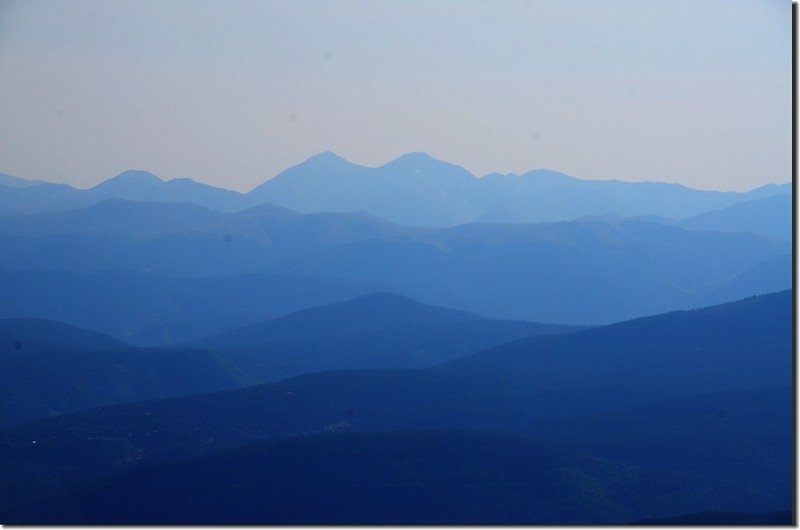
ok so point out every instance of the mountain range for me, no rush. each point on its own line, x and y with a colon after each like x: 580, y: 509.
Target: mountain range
x: 48, y: 368
x: 413, y: 190
x: 402, y: 344
x: 580, y: 272
x: 380, y: 330
x: 51, y: 368
x: 680, y: 413
x: 152, y: 310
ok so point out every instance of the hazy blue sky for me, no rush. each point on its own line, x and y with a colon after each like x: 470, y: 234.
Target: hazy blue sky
x: 232, y: 92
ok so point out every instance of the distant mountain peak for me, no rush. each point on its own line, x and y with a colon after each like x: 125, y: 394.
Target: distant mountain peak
x: 419, y: 161
x: 321, y: 165
x: 416, y: 156
x: 186, y: 180
x: 370, y: 302
x: 136, y: 175
x: 324, y: 161
x: 326, y: 157
x: 131, y: 177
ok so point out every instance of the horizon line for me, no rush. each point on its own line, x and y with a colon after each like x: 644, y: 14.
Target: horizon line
x: 334, y: 155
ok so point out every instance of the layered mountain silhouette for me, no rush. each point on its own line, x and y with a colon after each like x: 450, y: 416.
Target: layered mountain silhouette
x: 151, y: 310
x: 577, y: 272
x: 717, y: 380
x: 413, y: 190
x: 399, y: 344
x: 111, y: 217
x: 582, y: 272
x: 51, y: 368
x: 380, y: 330
x: 37, y: 335
x: 767, y: 217
x: 11, y: 181
x: 418, y: 190
x: 688, y: 352
x: 179, y: 239
x: 26, y: 196
x: 611, y: 373
x: 144, y: 186
x: 770, y: 217
x: 48, y: 368
x: 768, y: 276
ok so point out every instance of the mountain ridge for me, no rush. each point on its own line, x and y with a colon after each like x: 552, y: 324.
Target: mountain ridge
x: 698, y: 412
x: 570, y: 272
x: 377, y: 330
x: 413, y: 189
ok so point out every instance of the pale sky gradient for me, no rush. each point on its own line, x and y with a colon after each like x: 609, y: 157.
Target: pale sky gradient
x: 232, y: 92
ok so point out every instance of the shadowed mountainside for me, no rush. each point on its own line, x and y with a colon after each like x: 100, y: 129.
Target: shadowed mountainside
x: 291, y: 357
x: 48, y: 368
x: 717, y: 379
x: 151, y: 310
x: 376, y: 331
x: 366, y: 478
x: 51, y: 368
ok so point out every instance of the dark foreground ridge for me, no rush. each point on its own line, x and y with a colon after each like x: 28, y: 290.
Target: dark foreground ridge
x: 699, y: 421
